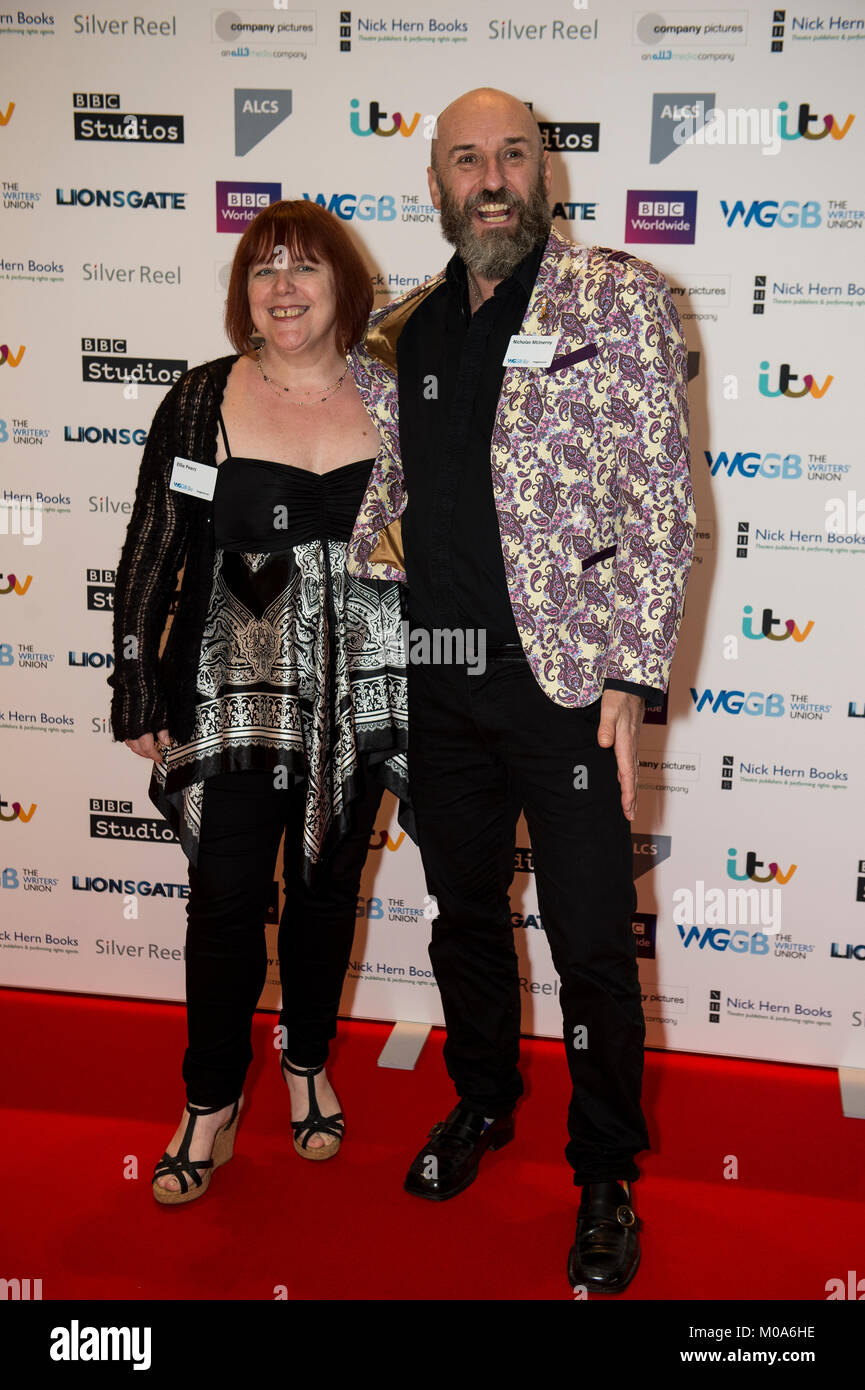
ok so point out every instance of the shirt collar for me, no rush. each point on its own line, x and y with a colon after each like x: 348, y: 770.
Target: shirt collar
x: 522, y: 278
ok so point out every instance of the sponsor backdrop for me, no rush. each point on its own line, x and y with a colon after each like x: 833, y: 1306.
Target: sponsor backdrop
x: 726, y: 146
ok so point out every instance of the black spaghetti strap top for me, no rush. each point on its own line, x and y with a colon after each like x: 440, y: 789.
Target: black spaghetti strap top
x: 263, y: 506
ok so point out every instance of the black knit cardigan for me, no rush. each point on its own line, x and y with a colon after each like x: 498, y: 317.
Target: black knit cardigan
x: 168, y: 531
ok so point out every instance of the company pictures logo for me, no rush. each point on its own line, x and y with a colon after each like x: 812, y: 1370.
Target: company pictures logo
x: 97, y: 116
x: 237, y: 204
x: 660, y: 216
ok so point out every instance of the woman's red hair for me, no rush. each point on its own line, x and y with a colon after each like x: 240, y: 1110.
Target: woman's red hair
x: 307, y: 231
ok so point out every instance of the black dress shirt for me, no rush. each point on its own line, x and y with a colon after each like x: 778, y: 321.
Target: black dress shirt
x: 450, y: 366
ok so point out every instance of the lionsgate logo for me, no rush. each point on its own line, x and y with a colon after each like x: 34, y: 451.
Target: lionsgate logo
x: 97, y: 116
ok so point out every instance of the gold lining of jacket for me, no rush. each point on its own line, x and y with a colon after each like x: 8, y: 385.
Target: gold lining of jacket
x: 381, y: 341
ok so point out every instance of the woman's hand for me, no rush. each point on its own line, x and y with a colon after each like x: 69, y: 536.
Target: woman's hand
x: 147, y: 747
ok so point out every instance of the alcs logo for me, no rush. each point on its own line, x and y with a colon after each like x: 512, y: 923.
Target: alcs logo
x: 768, y: 621
x: 736, y: 702
x: 7, y: 355
x: 767, y: 465
x: 785, y: 376
x: 365, y: 206
x: 752, y: 864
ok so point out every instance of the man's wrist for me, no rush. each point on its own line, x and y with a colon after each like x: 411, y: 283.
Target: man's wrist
x: 652, y: 697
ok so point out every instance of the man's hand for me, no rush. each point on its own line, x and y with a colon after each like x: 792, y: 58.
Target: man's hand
x: 146, y: 747
x: 621, y: 717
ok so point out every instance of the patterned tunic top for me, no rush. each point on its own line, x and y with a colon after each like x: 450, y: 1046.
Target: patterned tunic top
x: 302, y: 667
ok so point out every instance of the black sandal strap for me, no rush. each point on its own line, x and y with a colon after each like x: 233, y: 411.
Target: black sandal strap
x: 314, y: 1122
x: 177, y: 1165
x: 301, y: 1071
x: 334, y: 1125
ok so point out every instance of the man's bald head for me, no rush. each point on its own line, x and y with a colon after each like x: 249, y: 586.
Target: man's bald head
x: 490, y: 177
x: 476, y: 112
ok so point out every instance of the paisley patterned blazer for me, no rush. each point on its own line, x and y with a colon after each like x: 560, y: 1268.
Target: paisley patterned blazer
x: 590, y: 471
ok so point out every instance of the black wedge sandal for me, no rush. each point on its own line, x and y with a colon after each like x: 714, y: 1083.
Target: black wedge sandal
x: 315, y: 1122
x: 181, y: 1166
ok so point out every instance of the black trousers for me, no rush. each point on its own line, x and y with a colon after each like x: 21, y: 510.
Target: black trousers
x: 243, y: 818
x: 481, y: 748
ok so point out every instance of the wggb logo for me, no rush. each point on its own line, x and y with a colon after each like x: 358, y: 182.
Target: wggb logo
x: 749, y: 464
x: 366, y: 207
x: 722, y: 939
x: 737, y: 702
x: 770, y: 213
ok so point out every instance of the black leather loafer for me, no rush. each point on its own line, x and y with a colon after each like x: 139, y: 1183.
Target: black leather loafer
x: 448, y: 1161
x: 605, y: 1254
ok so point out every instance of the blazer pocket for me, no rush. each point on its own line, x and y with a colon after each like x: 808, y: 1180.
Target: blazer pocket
x: 570, y: 359
x: 599, y: 556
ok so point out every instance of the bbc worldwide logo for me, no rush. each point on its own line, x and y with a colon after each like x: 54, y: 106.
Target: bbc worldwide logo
x: 726, y: 772
x: 237, y: 204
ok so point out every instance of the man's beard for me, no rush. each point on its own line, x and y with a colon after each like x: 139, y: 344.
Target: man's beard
x: 495, y: 253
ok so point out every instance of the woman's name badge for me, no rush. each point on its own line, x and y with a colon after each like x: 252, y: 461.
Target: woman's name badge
x: 530, y: 350
x: 195, y: 479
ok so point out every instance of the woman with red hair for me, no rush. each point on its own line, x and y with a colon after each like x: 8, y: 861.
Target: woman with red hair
x: 278, y: 701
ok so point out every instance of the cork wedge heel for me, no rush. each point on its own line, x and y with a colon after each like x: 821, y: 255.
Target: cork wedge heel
x: 315, y: 1122
x: 200, y: 1170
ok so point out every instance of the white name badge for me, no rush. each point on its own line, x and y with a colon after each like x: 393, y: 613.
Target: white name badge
x: 195, y: 479
x: 526, y: 350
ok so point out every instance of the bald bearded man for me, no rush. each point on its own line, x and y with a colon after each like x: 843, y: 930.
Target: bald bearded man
x: 534, y: 492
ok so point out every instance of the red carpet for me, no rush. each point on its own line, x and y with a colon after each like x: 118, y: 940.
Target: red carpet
x: 97, y: 1081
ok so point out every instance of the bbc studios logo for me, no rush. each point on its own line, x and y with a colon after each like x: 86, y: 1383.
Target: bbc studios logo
x: 97, y: 117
